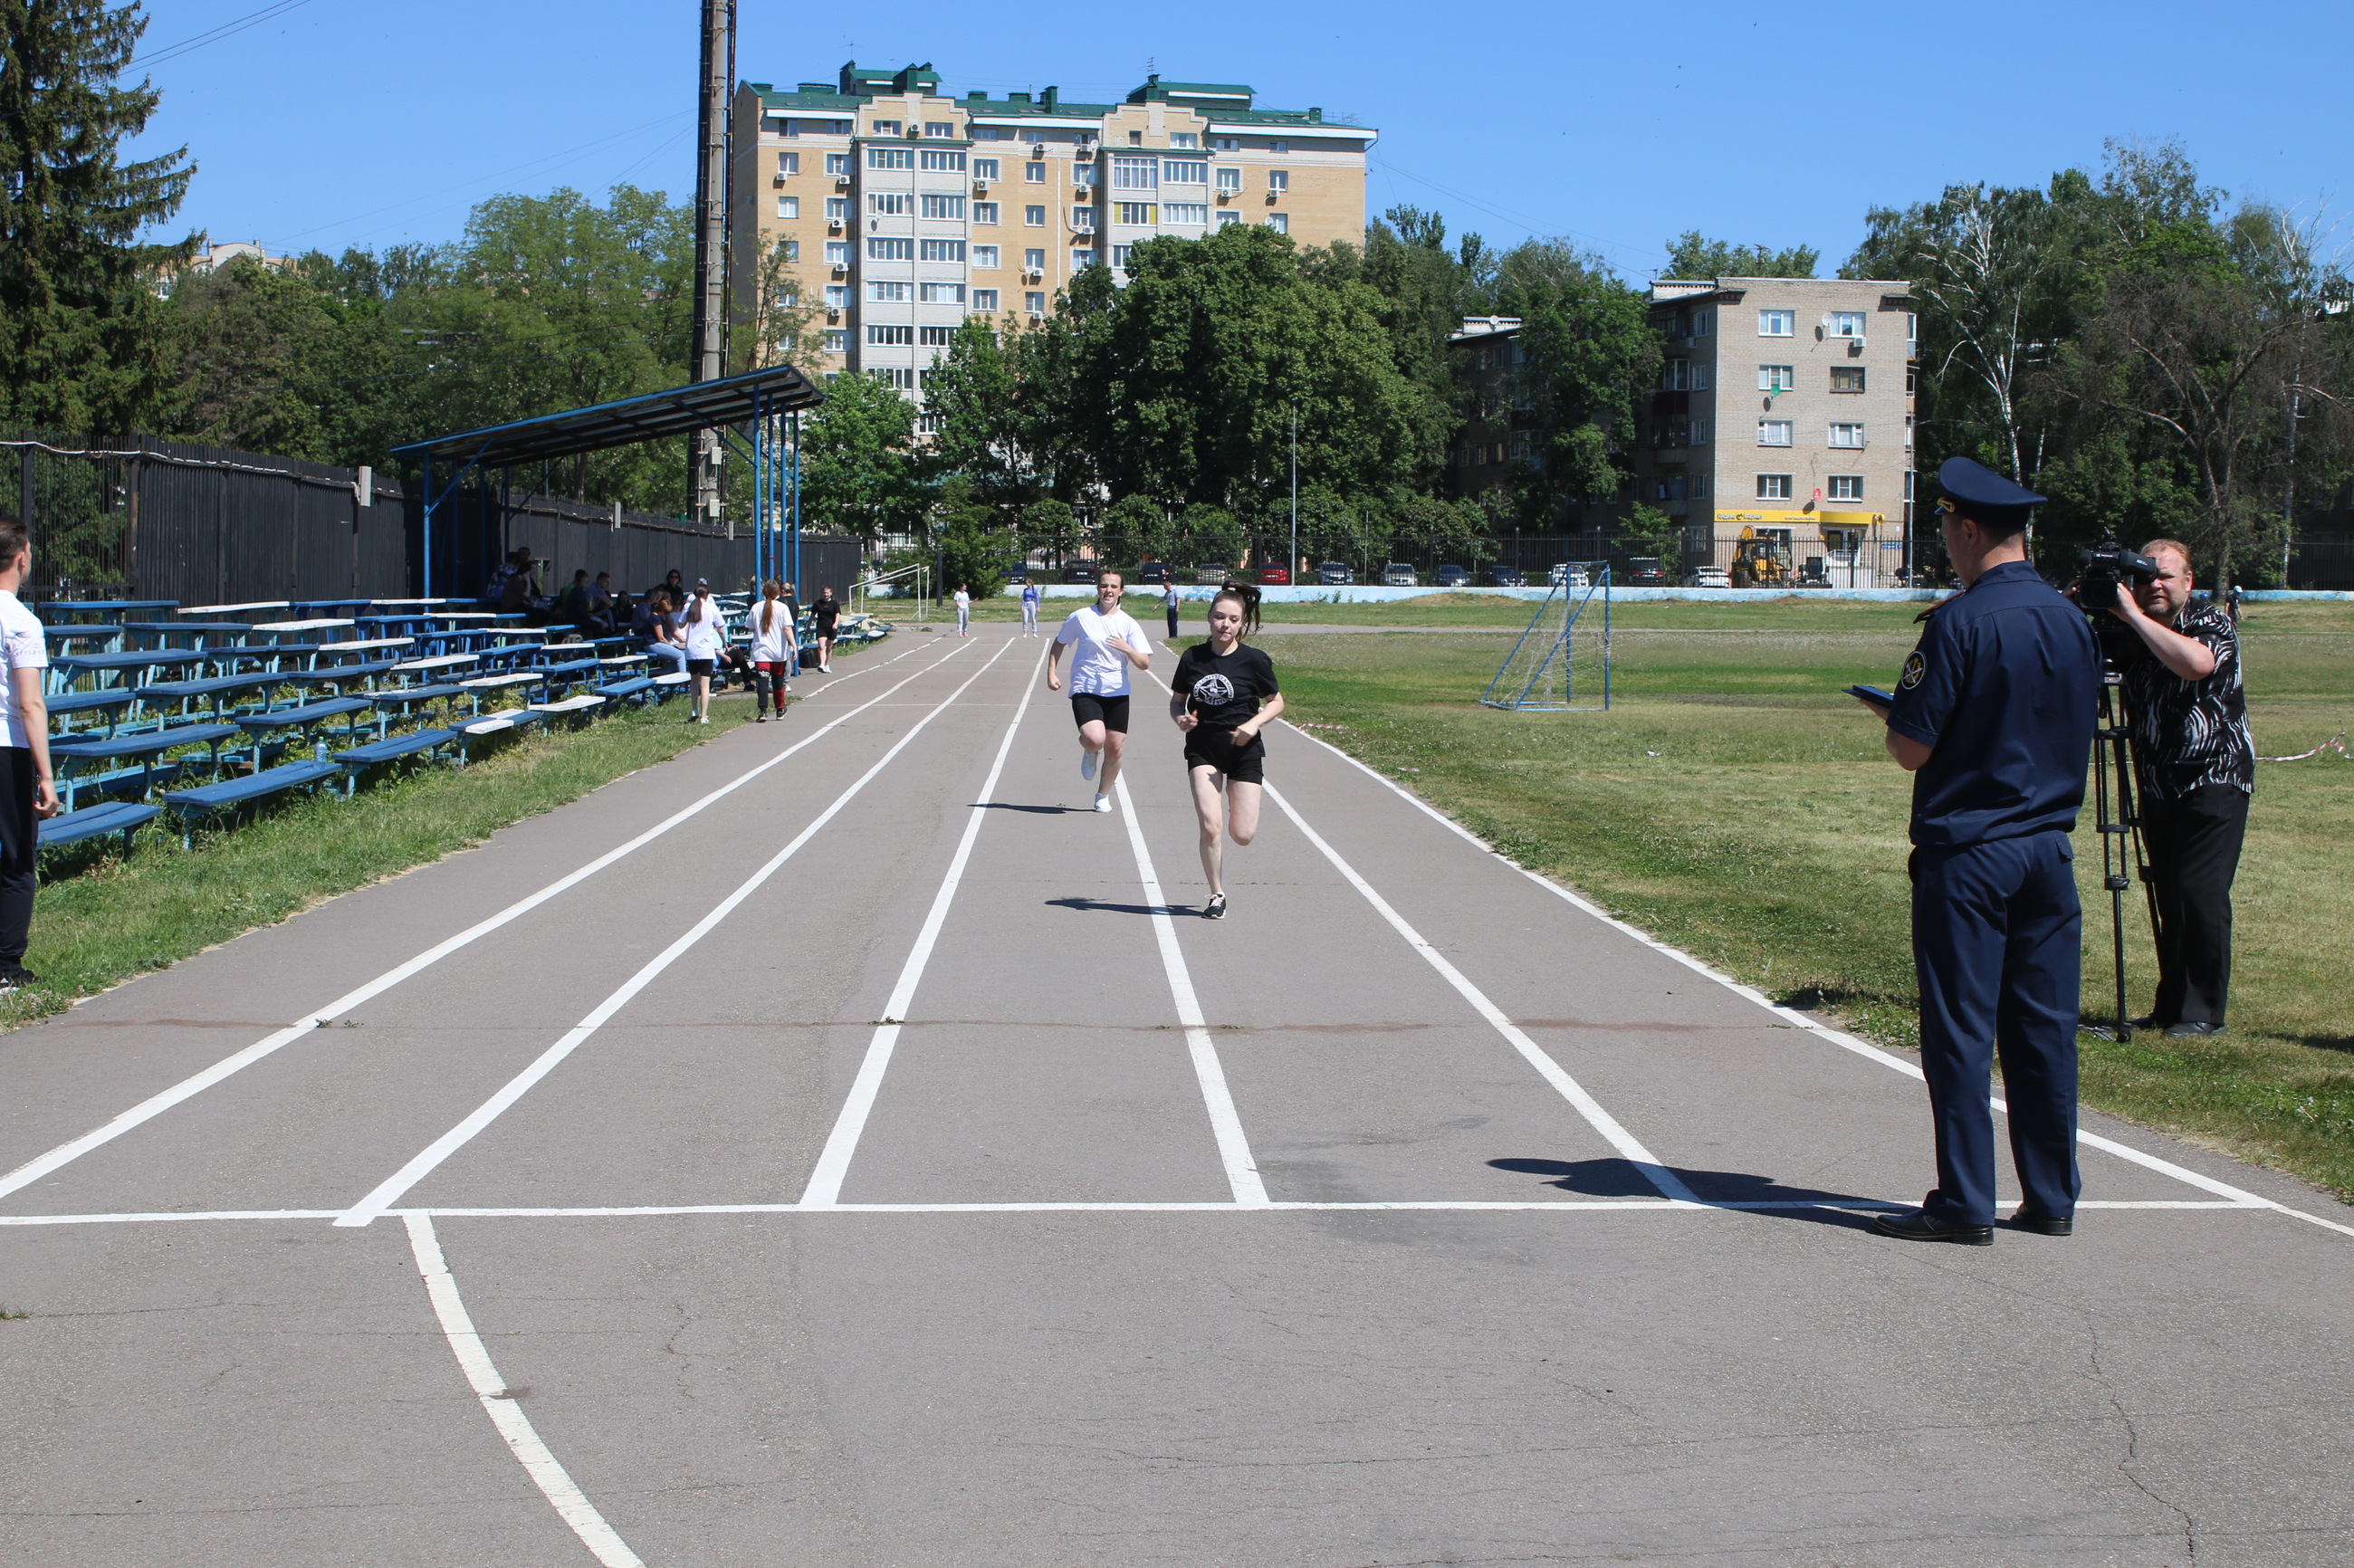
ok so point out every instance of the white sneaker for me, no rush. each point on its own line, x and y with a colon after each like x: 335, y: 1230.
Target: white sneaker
x: 1086, y: 763
x: 1103, y: 804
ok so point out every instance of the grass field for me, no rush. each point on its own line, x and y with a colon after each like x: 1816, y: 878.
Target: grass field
x: 1732, y: 802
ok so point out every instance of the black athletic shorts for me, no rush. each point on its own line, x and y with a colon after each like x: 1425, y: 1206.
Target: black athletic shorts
x: 700, y: 666
x: 1087, y: 708
x: 1207, y: 747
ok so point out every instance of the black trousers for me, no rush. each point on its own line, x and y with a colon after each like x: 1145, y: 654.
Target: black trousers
x: 20, y: 850
x: 2194, y: 852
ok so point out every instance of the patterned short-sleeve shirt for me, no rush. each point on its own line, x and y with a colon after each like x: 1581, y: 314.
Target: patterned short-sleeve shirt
x: 2191, y: 733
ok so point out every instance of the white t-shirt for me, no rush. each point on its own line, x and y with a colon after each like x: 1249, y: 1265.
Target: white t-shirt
x: 708, y: 637
x: 963, y: 600
x: 773, y: 646
x: 26, y: 649
x: 1095, y: 669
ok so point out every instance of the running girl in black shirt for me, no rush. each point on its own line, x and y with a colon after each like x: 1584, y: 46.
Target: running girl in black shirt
x: 1224, y: 695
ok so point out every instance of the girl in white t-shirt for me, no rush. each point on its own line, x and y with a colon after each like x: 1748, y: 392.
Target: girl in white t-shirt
x: 964, y: 609
x: 773, y: 641
x: 1105, y: 640
x: 705, y: 636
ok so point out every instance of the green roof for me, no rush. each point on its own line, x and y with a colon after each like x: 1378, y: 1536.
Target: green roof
x: 1214, y: 102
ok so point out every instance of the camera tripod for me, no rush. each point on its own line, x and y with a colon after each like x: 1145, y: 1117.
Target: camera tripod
x: 2122, y: 854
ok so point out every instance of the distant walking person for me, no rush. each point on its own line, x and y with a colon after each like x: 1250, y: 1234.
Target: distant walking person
x: 1169, y: 603
x: 1106, y: 641
x: 772, y: 634
x: 1224, y: 695
x: 28, y: 788
x: 704, y: 637
x: 964, y: 609
x: 1029, y: 610
x: 823, y: 614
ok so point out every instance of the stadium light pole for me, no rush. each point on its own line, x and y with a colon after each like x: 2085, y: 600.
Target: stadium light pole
x: 1293, y: 565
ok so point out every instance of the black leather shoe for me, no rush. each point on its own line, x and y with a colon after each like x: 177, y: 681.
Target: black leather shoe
x: 2042, y: 1226
x: 1919, y: 1224
x: 2190, y: 1031
x: 2150, y: 1021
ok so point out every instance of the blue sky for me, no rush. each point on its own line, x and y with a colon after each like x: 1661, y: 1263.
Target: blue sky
x: 337, y: 123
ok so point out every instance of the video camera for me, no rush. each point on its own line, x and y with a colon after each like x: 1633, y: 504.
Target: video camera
x: 2102, y: 569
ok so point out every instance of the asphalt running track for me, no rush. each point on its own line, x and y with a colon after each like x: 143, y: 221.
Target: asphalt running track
x: 843, y: 1158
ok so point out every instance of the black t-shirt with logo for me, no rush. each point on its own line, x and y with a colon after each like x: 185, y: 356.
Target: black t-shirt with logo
x: 1224, y: 690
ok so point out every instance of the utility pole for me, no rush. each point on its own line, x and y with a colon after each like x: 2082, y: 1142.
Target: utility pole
x: 1295, y: 491
x: 710, y: 238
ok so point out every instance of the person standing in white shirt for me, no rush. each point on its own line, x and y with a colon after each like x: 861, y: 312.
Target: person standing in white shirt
x: 964, y: 609
x: 1105, y: 640
x: 705, y: 636
x: 772, y: 634
x: 27, y: 788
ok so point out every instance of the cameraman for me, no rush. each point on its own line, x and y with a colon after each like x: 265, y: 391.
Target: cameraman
x: 2198, y: 766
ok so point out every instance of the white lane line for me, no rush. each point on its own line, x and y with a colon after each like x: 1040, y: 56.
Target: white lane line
x: 155, y: 1106
x: 1797, y: 1019
x: 834, y: 1162
x: 388, y: 1192
x: 1669, y: 1183
x: 522, y: 1439
x: 1225, y: 1126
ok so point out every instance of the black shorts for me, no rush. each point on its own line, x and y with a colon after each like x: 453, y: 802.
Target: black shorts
x: 1112, y: 712
x: 1207, y: 747
x: 700, y: 666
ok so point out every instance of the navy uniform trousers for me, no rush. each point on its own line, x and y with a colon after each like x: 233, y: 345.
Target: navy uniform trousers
x: 1996, y: 930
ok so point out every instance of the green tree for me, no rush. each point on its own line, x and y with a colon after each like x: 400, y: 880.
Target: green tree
x: 1690, y: 256
x: 858, y: 461
x: 1589, y: 358
x: 1135, y: 528
x: 1050, y: 525
x: 84, y: 343
x: 254, y: 342
x: 1208, y: 533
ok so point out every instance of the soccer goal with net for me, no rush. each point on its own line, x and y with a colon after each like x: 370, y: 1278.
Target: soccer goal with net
x: 1565, y: 654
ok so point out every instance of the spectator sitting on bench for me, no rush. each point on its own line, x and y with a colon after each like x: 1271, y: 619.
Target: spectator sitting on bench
x: 651, y: 626
x: 573, y: 605
x: 601, y: 604
x: 673, y: 585
x: 520, y: 587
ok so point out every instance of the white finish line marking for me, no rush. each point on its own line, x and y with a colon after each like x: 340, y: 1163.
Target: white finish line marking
x: 841, y: 1143
x: 522, y: 1439
x: 1225, y: 1126
x: 388, y: 1192
x: 186, y: 1088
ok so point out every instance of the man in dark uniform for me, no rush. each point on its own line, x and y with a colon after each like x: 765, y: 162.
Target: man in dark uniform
x: 1993, y: 717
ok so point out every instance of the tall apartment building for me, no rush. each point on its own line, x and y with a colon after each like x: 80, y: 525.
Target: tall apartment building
x: 1785, y: 409
x: 903, y: 210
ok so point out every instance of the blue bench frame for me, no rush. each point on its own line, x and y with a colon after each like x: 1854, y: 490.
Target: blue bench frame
x: 214, y: 799
x: 126, y: 817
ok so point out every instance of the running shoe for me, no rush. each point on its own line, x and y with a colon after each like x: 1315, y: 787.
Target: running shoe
x: 13, y: 976
x: 763, y: 717
x: 1215, y: 909
x: 1103, y: 804
x: 1086, y: 763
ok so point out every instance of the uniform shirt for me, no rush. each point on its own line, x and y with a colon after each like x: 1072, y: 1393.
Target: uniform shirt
x: 704, y: 638
x: 2189, y: 732
x: 26, y: 648
x: 774, y: 645
x: 1224, y: 690
x: 1097, y: 669
x: 2005, y: 684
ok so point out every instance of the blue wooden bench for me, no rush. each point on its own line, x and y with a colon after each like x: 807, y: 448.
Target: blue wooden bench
x: 307, y: 717
x: 360, y: 759
x: 111, y: 703
x: 338, y: 674
x: 125, y: 817
x: 146, y: 745
x: 401, y: 699
x: 633, y: 690
x: 213, y: 687
x: 230, y: 794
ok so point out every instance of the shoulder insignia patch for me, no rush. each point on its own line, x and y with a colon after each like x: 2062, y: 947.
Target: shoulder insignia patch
x: 1916, y: 670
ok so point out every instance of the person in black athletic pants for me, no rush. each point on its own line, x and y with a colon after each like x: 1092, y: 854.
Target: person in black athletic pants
x: 1223, y: 695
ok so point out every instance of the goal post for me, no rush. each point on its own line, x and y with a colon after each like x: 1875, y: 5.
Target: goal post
x: 1563, y: 655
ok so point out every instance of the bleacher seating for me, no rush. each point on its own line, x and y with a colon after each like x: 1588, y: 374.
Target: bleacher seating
x: 410, y: 743
x: 230, y: 794
x: 124, y: 817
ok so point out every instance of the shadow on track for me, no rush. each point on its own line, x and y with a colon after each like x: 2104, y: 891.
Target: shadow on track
x: 1099, y: 903
x: 1618, y: 1179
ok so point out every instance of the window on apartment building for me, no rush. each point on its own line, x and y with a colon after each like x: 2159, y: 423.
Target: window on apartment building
x: 984, y: 299
x: 788, y: 163
x: 1033, y: 217
x: 890, y: 293
x: 1033, y: 174
x: 940, y: 128
x: 1131, y: 173
x: 1773, y: 432
x: 943, y: 161
x: 1082, y: 258
x: 992, y: 133
x: 984, y: 256
x: 1700, y: 432
x: 1847, y: 323
x: 1136, y: 214
x: 837, y: 296
x: 1279, y: 221
x: 1846, y: 377
x: 890, y: 157
x: 935, y: 336
x: 886, y: 127
x: 940, y: 250
x: 1225, y: 144
x: 1675, y: 374
x: 837, y: 340
x: 901, y: 380
x: 943, y: 207
x: 793, y: 250
x: 789, y: 206
x: 1033, y: 260
x: 1773, y: 487
x: 837, y: 163
x: 788, y: 298
x: 1082, y: 217
x: 890, y: 203
x: 1279, y: 146
x: 1847, y: 435
x: 1700, y: 323
x: 1279, y: 179
x: 984, y: 212
x: 1775, y: 323
x: 837, y: 253
x: 1120, y: 254
x: 984, y: 168
x: 890, y: 250
x: 1230, y: 180
x: 1776, y: 377
x: 1136, y: 138
x: 1184, y: 140
x: 1228, y: 216
x: 1191, y: 212
x: 1184, y: 172
x: 1083, y: 173
x: 891, y: 337
x: 1845, y: 486
x: 837, y: 209
x: 1034, y: 302
x: 1908, y: 432
x: 1911, y: 375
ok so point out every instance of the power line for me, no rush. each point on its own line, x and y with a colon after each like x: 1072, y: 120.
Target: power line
x: 226, y: 30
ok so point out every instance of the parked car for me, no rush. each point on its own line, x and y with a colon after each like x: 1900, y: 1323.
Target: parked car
x: 1564, y: 574
x: 1016, y: 577
x: 1080, y: 572
x: 1503, y: 577
x: 1452, y: 577
x: 1152, y: 572
x: 1397, y: 574
x: 1333, y: 573
x: 1639, y: 571
x: 1275, y: 577
x: 1213, y: 574
x: 1710, y: 576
